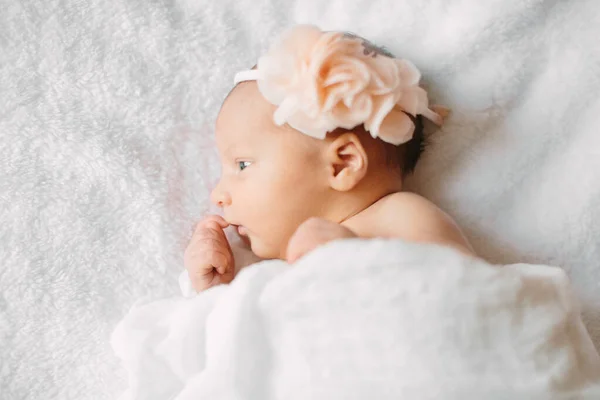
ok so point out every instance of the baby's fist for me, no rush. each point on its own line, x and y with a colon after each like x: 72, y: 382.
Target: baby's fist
x: 208, y: 258
x: 313, y: 233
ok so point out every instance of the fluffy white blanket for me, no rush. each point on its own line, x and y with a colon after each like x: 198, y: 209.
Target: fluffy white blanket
x: 106, y: 159
x: 363, y: 319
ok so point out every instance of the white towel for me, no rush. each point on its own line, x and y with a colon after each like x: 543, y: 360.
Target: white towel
x: 360, y: 319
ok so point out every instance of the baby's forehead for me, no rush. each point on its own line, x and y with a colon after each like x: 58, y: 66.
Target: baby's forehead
x: 244, y: 114
x: 239, y: 96
x: 246, y: 119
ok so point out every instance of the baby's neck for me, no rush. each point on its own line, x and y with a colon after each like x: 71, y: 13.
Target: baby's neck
x: 351, y: 204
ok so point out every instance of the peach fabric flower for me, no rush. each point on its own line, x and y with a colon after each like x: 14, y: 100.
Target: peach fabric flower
x: 321, y: 81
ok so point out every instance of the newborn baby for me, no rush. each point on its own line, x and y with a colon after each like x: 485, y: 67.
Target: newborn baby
x: 315, y: 143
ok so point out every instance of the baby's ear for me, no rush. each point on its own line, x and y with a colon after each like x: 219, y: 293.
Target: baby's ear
x: 347, y: 162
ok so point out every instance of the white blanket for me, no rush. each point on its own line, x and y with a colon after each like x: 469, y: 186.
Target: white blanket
x: 106, y: 157
x: 356, y: 319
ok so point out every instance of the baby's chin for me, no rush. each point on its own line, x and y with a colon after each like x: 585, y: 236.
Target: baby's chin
x: 263, y: 251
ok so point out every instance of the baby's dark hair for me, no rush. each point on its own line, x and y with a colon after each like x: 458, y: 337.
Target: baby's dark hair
x: 407, y: 154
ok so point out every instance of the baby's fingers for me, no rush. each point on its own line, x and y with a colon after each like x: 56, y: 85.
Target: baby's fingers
x: 202, y: 279
x: 212, y: 222
x: 221, y: 262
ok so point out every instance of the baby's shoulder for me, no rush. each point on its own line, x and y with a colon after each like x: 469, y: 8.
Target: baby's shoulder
x: 405, y: 201
x: 412, y: 217
x: 409, y: 210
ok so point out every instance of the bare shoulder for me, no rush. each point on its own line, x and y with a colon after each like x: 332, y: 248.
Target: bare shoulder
x: 414, y: 218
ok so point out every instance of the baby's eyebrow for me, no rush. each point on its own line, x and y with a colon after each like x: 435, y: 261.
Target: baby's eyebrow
x: 229, y: 149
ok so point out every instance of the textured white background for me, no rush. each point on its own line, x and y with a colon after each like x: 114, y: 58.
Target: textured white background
x: 106, y: 157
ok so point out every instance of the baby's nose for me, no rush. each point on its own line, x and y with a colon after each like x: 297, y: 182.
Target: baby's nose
x: 220, y: 197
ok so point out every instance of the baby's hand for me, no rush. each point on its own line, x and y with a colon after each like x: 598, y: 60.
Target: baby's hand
x: 313, y: 233
x: 208, y: 258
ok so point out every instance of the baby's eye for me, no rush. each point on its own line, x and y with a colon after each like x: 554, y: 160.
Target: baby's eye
x: 242, y: 165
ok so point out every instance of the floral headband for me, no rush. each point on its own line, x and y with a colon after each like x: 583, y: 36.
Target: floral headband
x: 321, y: 81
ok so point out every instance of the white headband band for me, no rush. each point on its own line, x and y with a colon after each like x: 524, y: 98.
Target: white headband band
x: 243, y: 76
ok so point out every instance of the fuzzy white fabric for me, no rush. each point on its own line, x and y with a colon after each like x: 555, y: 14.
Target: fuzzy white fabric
x: 106, y: 114
x: 366, y: 319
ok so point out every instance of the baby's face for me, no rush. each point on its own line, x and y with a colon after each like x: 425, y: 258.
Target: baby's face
x: 271, y: 178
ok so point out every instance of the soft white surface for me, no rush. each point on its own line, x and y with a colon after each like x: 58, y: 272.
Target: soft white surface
x: 106, y: 113
x: 366, y: 320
